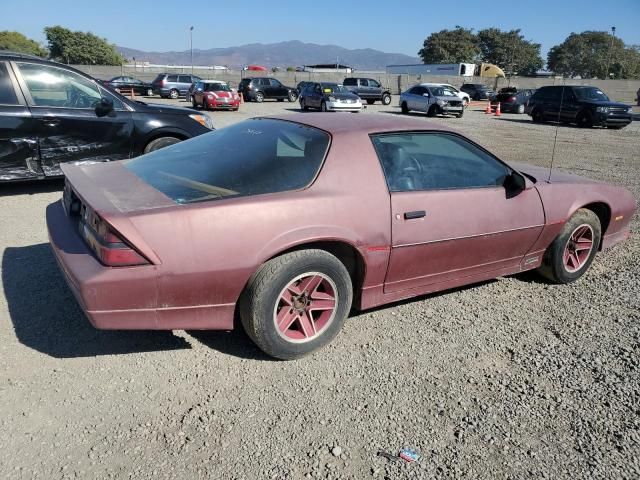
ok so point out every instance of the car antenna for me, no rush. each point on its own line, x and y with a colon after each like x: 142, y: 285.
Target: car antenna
x: 555, y: 139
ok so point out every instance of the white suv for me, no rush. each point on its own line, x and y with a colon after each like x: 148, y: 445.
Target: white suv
x: 464, y: 96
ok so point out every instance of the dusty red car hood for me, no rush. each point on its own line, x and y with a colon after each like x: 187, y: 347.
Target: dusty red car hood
x: 541, y: 174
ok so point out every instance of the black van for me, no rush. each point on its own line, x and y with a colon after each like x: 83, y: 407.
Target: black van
x: 583, y: 105
x: 51, y: 113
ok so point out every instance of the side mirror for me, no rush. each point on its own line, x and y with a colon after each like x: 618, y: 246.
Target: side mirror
x: 514, y: 183
x: 426, y: 95
x: 199, y: 89
x: 104, y: 107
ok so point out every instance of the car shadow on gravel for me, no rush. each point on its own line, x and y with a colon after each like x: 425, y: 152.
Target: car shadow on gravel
x: 236, y: 343
x: 47, y: 318
x: 32, y: 187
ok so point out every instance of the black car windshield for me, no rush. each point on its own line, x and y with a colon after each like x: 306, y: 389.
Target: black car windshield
x: 590, y: 93
x: 253, y: 157
x: 333, y: 88
x: 216, y: 87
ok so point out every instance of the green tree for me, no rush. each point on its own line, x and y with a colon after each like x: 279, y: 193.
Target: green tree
x: 450, y: 46
x: 510, y: 51
x: 587, y: 54
x: 82, y: 48
x: 626, y: 64
x: 17, y: 42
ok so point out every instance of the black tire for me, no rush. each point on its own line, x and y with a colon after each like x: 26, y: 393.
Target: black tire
x: 260, y: 300
x: 465, y: 102
x: 433, y: 111
x: 370, y: 101
x: 259, y: 97
x: 293, y: 96
x: 386, y: 99
x: 520, y: 109
x: 159, y: 143
x: 584, y: 119
x: 174, y: 94
x: 537, y: 115
x: 323, y: 106
x: 303, y: 105
x: 553, y: 264
x: 149, y: 92
x: 404, y: 107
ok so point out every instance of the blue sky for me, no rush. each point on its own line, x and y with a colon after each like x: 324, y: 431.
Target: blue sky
x: 160, y: 25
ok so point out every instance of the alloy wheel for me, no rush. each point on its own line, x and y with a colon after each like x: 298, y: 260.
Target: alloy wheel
x: 578, y: 248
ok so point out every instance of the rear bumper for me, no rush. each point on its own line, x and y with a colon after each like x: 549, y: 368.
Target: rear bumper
x: 124, y: 298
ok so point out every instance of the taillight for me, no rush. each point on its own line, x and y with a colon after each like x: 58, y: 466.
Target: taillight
x: 512, y: 99
x: 163, y: 82
x: 110, y: 248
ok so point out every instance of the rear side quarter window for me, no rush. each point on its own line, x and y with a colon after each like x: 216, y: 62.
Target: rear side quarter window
x: 7, y: 92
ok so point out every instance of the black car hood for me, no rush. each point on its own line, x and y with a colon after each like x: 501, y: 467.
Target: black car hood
x: 157, y: 108
x: 604, y: 103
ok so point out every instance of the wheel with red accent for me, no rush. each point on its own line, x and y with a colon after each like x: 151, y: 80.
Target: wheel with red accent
x: 571, y: 253
x: 296, y: 303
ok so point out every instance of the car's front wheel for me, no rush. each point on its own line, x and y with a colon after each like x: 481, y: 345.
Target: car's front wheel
x: 386, y: 99
x: 323, y: 106
x: 159, y: 143
x: 404, y: 107
x: 520, y: 109
x: 149, y: 92
x: 292, y: 97
x: 296, y: 303
x: 537, y: 115
x: 259, y: 97
x: 571, y: 253
x: 174, y: 93
x: 584, y: 119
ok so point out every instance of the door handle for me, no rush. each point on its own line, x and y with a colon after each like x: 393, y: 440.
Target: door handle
x: 50, y: 122
x: 415, y: 214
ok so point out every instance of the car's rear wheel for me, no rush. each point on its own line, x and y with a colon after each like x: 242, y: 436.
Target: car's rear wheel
x: 433, y: 111
x: 459, y: 115
x: 159, y: 143
x: 404, y: 107
x: 571, y: 253
x: 386, y: 99
x: 584, y: 119
x: 537, y: 115
x: 292, y: 96
x: 370, y: 102
x: 259, y: 97
x: 296, y: 303
x: 173, y: 93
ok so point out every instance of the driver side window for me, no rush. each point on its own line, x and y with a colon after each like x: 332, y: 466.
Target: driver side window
x: 56, y: 87
x: 436, y: 161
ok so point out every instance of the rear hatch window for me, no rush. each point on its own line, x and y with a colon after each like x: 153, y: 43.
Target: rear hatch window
x: 253, y: 157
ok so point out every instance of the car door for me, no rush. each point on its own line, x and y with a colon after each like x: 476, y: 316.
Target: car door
x: 375, y: 89
x: 62, y: 104
x: 278, y: 89
x: 18, y: 140
x: 422, y: 99
x: 363, y: 89
x: 316, y: 96
x: 451, y: 215
x: 184, y: 82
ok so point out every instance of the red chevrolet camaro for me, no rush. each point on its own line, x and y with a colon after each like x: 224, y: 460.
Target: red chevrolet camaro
x: 290, y: 220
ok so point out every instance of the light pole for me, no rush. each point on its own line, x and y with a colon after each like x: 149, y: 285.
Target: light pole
x: 191, y: 41
x: 613, y: 35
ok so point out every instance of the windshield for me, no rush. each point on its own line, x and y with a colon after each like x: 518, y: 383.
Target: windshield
x: 591, y: 93
x: 333, y: 88
x: 253, y: 157
x: 217, y: 87
x: 442, y: 92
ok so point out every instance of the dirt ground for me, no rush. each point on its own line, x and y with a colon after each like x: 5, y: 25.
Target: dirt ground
x: 513, y: 378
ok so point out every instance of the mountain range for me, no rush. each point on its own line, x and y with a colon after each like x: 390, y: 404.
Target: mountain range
x: 283, y: 54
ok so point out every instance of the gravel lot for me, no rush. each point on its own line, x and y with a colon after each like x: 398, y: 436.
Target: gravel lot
x: 512, y: 378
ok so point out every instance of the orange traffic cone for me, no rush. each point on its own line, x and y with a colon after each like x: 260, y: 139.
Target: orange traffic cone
x: 487, y: 110
x: 498, y: 112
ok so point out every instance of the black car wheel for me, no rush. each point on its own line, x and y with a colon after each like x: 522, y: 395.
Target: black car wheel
x: 149, y: 92
x: 303, y: 105
x: 370, y: 102
x: 571, y: 253
x: 537, y: 115
x: 296, y: 303
x: 293, y: 96
x: 433, y: 111
x: 174, y: 93
x: 584, y: 119
x: 259, y: 97
x: 386, y: 99
x: 323, y: 106
x: 459, y: 115
x: 159, y: 143
x: 404, y: 107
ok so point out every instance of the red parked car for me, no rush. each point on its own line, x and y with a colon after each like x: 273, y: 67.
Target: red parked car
x: 214, y: 95
x: 294, y: 218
